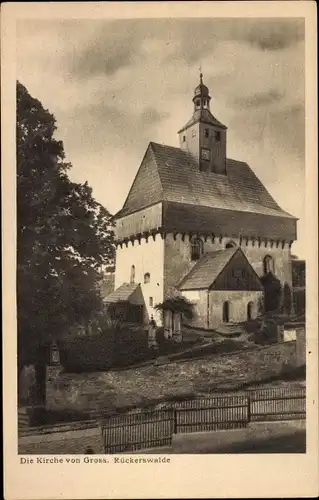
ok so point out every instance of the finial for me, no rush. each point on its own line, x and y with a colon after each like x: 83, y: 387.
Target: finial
x: 200, y: 74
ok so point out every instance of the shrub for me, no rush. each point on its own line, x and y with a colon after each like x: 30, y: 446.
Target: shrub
x: 178, y: 304
x: 299, y: 301
x: 252, y: 326
x: 267, y: 333
x: 111, y: 348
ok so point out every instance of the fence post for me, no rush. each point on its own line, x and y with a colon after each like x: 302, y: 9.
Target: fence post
x: 175, y: 421
x: 249, y: 409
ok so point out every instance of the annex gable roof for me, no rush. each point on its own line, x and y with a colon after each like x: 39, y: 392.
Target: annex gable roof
x: 208, y: 269
x: 123, y: 293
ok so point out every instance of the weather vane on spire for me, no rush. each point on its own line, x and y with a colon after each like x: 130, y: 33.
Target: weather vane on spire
x: 200, y: 74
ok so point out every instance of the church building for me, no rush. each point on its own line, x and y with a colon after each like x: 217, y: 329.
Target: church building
x: 199, y: 224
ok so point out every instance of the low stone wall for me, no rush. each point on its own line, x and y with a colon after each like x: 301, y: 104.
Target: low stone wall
x: 114, y: 389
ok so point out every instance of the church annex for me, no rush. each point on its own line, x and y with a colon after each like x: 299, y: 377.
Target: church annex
x: 200, y: 224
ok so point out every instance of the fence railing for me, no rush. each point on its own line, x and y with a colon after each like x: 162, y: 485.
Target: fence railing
x: 151, y: 429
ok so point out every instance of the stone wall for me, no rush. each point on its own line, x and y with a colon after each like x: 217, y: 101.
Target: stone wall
x: 103, y: 390
x: 177, y: 254
x: 178, y: 257
x: 301, y: 345
x: 213, y: 305
x: 137, y: 223
x: 148, y: 257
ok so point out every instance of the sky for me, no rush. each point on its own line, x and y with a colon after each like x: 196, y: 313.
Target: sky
x: 116, y: 85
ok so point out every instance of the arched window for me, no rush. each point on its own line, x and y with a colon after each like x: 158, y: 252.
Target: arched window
x: 268, y: 264
x: 147, y: 277
x: 250, y: 306
x: 226, y: 308
x: 231, y: 244
x: 132, y: 279
x: 196, y: 249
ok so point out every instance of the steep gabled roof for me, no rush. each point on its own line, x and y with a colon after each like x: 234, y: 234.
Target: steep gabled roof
x: 171, y: 174
x: 146, y: 188
x: 207, y: 270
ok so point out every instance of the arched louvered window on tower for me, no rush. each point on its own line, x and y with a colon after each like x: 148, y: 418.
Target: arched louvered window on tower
x: 230, y: 244
x: 196, y: 249
x: 268, y: 265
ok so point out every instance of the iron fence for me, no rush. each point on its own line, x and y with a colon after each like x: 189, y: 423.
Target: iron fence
x: 152, y: 429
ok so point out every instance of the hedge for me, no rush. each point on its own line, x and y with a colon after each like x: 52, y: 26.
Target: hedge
x: 103, y: 351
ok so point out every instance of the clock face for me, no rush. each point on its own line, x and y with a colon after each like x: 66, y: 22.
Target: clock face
x: 205, y: 154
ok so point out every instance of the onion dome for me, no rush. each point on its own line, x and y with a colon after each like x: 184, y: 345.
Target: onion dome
x: 201, y: 89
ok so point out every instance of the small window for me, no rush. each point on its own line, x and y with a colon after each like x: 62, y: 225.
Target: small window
x: 231, y: 244
x: 197, y: 104
x: 196, y: 249
x: 147, y: 277
x: 217, y: 136
x: 184, y: 138
x: 194, y: 132
x: 132, y: 278
x: 151, y: 301
x: 206, y: 132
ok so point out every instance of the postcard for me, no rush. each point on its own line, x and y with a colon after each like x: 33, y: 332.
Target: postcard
x: 159, y: 176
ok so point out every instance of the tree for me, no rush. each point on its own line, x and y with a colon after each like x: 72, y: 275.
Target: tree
x: 178, y: 304
x: 64, y: 236
x: 272, y: 292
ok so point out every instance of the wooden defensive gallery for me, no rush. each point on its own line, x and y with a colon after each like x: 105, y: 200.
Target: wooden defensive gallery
x: 199, y: 224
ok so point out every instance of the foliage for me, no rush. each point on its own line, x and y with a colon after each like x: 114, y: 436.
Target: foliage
x: 177, y: 304
x: 64, y: 236
x: 272, y: 289
x: 286, y: 299
x: 267, y: 332
x: 299, y: 301
x: 111, y: 348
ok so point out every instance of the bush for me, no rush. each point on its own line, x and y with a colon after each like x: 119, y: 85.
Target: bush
x: 299, y: 301
x: 266, y: 334
x: 252, y: 326
x: 113, y: 348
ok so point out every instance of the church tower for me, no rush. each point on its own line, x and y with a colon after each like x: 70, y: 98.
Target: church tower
x: 203, y: 135
x: 189, y: 208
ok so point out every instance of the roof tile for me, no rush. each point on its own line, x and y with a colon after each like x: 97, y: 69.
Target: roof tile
x: 122, y: 293
x: 205, y: 272
x: 171, y: 174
